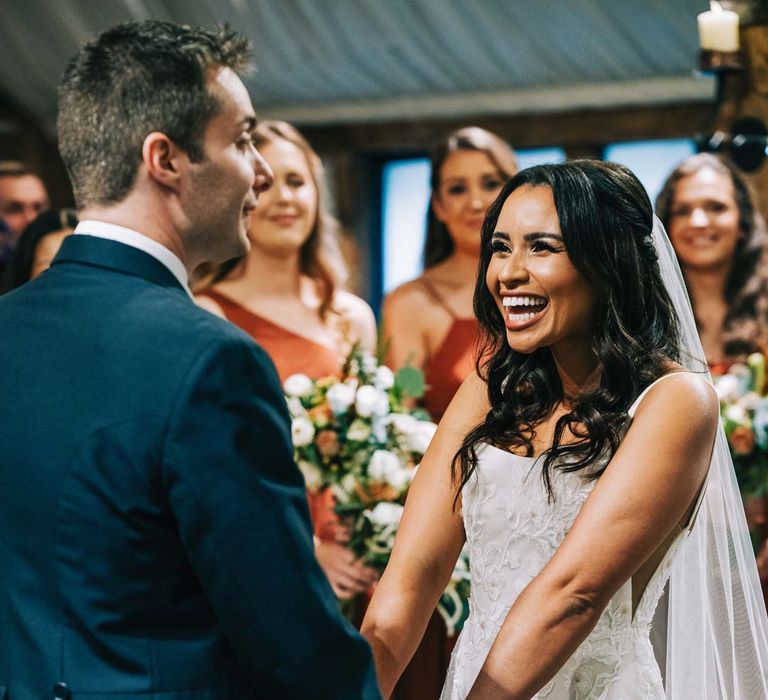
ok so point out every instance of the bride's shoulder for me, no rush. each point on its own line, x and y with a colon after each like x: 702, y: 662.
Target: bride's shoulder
x: 681, y: 398
x: 469, y: 405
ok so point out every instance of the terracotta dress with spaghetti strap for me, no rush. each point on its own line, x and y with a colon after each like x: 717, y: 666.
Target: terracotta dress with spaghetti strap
x: 292, y: 354
x: 445, y: 370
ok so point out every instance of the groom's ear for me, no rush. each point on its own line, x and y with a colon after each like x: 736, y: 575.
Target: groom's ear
x: 164, y: 160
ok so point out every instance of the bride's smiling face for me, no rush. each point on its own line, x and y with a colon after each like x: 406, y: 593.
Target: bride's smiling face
x: 542, y: 297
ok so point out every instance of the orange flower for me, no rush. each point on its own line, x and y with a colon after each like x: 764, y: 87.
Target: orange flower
x: 377, y: 491
x: 320, y: 415
x: 327, y: 442
x: 742, y: 440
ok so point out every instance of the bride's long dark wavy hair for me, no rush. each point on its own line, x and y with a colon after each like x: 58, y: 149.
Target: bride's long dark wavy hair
x: 606, y: 221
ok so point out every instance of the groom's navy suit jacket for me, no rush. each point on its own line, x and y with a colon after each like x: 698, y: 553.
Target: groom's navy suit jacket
x: 155, y: 540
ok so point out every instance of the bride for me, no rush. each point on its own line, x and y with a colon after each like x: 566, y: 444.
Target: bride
x: 584, y: 467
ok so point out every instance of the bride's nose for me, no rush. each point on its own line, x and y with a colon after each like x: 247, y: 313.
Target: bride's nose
x: 513, y: 272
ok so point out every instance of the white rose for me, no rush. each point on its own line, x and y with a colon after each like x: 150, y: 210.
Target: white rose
x: 728, y: 388
x: 400, y: 479
x: 312, y: 476
x: 295, y: 408
x: 419, y: 439
x: 349, y: 483
x: 302, y: 432
x: 340, y: 397
x: 369, y: 363
x: 343, y: 491
x: 385, y: 378
x: 737, y: 414
x: 403, y: 423
x: 379, y: 428
x: 339, y: 494
x: 385, y: 514
x: 371, y: 401
x: 750, y: 401
x: 382, y: 464
x: 298, y: 385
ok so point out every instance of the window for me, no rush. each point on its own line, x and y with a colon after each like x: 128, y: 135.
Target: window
x: 536, y: 156
x: 651, y: 161
x: 405, y: 195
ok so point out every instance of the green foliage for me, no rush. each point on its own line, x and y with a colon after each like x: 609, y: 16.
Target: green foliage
x: 409, y: 382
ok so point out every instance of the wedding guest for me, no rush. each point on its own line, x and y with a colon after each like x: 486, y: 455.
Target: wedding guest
x: 720, y: 237
x: 37, y: 246
x: 428, y: 322
x: 22, y: 197
x: 286, y: 293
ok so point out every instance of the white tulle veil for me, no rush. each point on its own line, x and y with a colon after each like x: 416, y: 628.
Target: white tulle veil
x: 716, y: 641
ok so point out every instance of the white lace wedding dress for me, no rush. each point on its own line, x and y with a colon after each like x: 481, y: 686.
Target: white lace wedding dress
x: 512, y: 532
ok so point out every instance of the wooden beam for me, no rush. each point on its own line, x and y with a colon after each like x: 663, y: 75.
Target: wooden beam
x: 577, y: 129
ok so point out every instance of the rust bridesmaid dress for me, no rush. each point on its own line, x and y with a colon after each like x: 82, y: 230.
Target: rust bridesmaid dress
x: 445, y: 370
x: 292, y: 354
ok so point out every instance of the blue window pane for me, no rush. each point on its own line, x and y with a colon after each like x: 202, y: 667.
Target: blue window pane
x: 405, y: 193
x: 651, y: 161
x: 536, y: 156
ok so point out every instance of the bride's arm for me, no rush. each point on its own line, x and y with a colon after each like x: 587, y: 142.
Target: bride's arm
x: 427, y: 546
x: 646, y: 491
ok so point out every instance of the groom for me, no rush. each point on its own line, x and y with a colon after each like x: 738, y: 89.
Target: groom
x: 154, y: 535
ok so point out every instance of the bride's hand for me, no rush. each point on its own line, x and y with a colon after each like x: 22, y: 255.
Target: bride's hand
x: 348, y: 576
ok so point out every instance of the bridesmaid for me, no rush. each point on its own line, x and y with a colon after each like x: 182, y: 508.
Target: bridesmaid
x: 719, y: 236
x: 286, y: 294
x: 429, y: 323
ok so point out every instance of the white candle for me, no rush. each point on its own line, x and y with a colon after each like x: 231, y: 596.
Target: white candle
x: 719, y: 29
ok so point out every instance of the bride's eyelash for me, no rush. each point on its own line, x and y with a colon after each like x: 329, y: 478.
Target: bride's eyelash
x: 548, y: 247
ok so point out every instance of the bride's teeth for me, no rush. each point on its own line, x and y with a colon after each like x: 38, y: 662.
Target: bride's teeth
x: 523, y: 301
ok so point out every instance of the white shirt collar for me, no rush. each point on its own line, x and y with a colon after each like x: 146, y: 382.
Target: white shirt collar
x: 128, y: 236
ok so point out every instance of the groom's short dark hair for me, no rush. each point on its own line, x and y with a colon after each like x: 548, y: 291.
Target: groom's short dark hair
x: 133, y: 79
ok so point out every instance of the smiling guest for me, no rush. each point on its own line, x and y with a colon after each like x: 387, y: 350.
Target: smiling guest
x: 286, y: 295
x: 428, y: 322
x: 719, y: 236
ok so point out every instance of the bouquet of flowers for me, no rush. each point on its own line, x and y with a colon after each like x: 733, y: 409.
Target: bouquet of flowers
x: 361, y: 436
x: 744, y: 410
